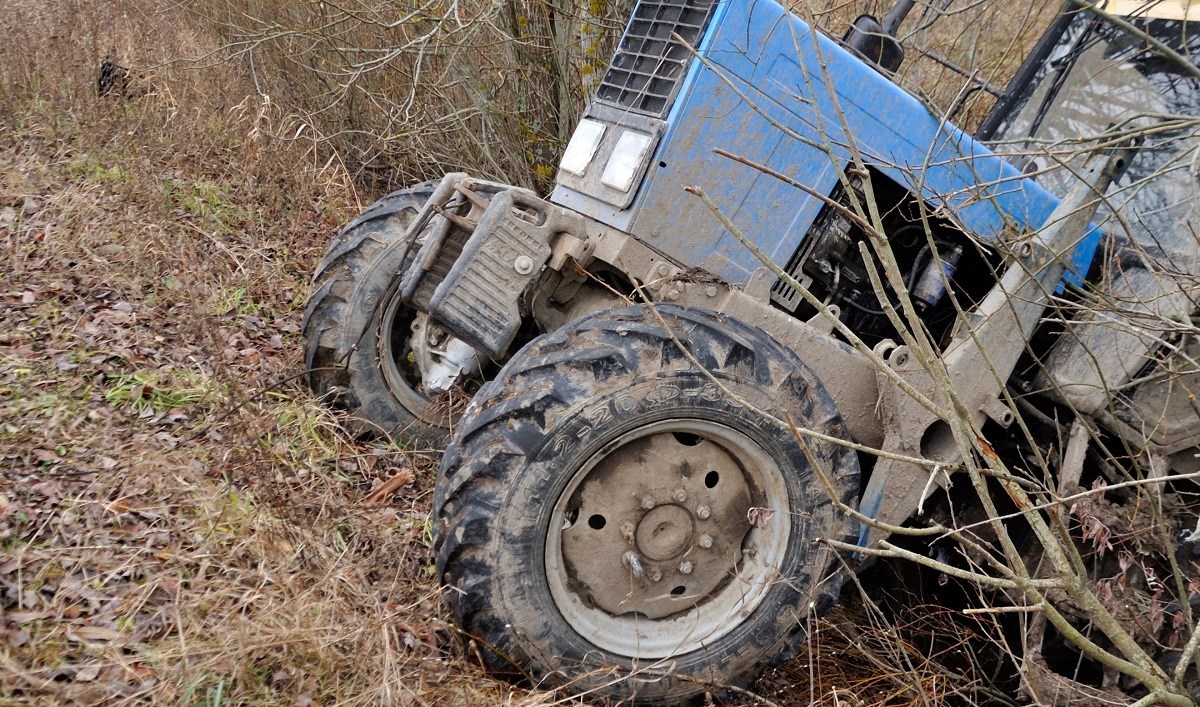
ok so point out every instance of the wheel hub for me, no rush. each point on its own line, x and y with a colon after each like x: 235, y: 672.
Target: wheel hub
x: 665, y: 532
x: 659, y: 526
x: 441, y: 357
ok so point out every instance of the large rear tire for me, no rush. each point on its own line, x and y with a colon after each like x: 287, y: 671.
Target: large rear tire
x: 611, y: 519
x: 358, y: 335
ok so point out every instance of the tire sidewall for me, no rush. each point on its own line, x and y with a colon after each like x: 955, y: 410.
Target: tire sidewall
x: 378, y: 403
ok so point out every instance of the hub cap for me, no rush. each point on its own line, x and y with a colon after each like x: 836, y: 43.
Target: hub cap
x: 651, y: 551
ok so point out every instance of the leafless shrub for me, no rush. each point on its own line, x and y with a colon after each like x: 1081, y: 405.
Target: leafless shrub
x: 411, y: 90
x: 408, y: 91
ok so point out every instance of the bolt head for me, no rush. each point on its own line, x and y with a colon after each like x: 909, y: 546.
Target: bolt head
x: 686, y: 568
x: 655, y: 575
x: 648, y: 502
x: 680, y: 495
x: 705, y: 541
x: 711, y: 291
x: 703, y: 512
x: 523, y: 264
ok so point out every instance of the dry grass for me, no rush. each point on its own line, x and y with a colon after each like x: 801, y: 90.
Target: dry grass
x: 173, y: 527
x: 180, y: 523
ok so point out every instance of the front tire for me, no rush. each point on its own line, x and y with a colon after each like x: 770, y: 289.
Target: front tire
x: 612, y: 519
x: 358, y: 335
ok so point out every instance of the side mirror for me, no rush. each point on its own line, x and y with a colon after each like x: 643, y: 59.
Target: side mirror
x: 867, y: 39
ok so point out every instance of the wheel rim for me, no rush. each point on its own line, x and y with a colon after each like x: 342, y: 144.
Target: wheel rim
x: 395, y: 333
x: 651, y: 549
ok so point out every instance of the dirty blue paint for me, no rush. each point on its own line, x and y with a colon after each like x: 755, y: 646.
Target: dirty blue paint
x: 868, y: 507
x: 774, y: 61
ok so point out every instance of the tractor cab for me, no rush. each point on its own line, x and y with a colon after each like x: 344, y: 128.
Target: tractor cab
x: 1094, y: 76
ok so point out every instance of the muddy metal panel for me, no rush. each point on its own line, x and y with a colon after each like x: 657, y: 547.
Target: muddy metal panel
x: 766, y: 65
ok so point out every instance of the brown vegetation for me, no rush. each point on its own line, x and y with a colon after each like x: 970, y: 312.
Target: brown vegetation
x: 175, y: 525
x: 179, y: 521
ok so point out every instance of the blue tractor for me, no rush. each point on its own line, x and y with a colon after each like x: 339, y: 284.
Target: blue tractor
x: 774, y: 307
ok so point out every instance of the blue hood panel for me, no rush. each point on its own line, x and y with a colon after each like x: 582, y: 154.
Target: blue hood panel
x: 766, y: 73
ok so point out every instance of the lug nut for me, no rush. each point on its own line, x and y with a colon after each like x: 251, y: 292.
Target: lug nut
x: 705, y: 542
x: 702, y: 512
x: 686, y: 568
x: 655, y: 575
x: 680, y: 495
x: 648, y: 502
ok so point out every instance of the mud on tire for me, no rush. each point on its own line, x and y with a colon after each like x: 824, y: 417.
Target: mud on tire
x: 349, y: 312
x: 555, y: 442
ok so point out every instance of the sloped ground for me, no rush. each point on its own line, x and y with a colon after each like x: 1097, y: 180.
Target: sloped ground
x: 176, y: 524
x: 180, y: 522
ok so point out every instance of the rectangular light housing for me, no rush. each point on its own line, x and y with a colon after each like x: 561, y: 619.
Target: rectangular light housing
x: 582, y: 147
x: 626, y: 161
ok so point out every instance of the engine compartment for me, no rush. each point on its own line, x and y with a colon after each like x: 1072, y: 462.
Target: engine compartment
x: 930, y: 252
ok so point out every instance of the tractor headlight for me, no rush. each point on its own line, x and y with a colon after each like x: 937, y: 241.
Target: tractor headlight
x: 582, y: 147
x: 626, y: 160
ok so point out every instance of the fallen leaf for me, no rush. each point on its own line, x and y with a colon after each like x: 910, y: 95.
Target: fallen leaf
x: 83, y: 634
x: 759, y: 517
x: 388, y: 488
x: 87, y: 673
x: 23, y: 617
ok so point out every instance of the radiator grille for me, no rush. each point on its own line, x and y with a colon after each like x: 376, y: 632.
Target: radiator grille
x: 649, y: 65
